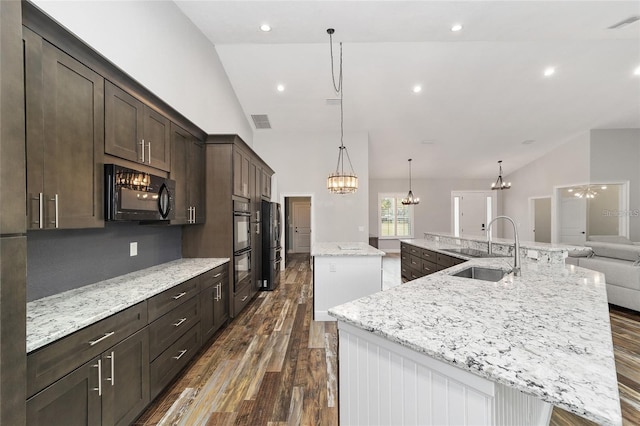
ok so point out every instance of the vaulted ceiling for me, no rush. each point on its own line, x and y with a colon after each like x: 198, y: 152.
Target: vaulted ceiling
x: 484, y: 97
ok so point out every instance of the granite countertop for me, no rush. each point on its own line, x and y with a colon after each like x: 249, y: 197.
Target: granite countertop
x: 546, y: 333
x: 54, y: 317
x: 532, y: 245
x: 345, y: 249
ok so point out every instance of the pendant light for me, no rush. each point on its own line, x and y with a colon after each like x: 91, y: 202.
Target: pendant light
x: 410, y: 200
x: 499, y: 183
x: 340, y: 181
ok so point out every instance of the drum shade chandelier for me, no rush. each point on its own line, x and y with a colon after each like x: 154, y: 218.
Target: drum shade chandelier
x: 410, y: 200
x: 499, y: 183
x: 341, y: 181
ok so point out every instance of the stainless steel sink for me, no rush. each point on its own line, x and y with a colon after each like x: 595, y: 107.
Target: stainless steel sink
x: 484, y: 274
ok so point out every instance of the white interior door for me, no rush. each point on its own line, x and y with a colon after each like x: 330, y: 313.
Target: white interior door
x: 301, y: 227
x: 573, y: 220
x: 472, y: 212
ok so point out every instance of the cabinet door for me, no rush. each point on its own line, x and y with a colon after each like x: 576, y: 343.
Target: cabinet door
x: 157, y: 139
x: 72, y: 400
x: 221, y: 306
x: 266, y: 185
x: 65, y: 135
x: 208, y: 298
x: 179, y: 172
x: 125, y: 379
x: 240, y: 173
x: 123, y: 124
x: 196, y: 185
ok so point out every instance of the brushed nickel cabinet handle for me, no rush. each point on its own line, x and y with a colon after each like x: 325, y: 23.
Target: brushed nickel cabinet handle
x: 179, y: 323
x: 178, y: 296
x: 244, y: 298
x: 142, y: 149
x: 182, y: 352
x: 149, y: 153
x: 217, y: 275
x: 40, y: 199
x: 112, y: 379
x: 55, y: 205
x: 106, y: 335
x: 194, y: 214
x: 99, y: 367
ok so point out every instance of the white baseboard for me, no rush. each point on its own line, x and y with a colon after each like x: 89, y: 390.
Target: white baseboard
x: 390, y: 250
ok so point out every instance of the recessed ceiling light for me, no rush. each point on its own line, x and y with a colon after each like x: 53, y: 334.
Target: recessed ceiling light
x: 456, y: 27
x: 549, y: 71
x: 264, y: 27
x: 636, y: 71
x: 280, y: 87
x: 417, y: 88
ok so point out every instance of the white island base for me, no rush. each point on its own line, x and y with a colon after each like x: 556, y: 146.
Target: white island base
x: 343, y: 272
x: 382, y: 382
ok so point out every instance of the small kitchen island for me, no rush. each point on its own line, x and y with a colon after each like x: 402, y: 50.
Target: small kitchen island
x: 343, y: 272
x: 449, y: 350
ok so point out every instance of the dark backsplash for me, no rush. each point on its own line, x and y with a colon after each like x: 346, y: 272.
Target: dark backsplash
x: 62, y: 260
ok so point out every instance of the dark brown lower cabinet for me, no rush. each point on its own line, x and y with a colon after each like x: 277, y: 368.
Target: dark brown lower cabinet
x: 417, y: 262
x: 214, y: 301
x: 111, y: 389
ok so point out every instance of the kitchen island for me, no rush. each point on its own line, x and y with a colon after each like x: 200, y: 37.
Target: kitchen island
x: 444, y: 349
x: 343, y: 272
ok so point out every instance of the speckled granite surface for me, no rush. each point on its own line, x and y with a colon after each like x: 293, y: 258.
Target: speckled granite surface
x: 345, y: 249
x: 57, y: 316
x: 550, y: 253
x: 546, y: 333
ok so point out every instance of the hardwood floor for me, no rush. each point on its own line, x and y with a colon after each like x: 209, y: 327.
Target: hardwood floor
x: 274, y: 366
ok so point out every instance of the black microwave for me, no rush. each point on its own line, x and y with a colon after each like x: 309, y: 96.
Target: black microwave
x: 135, y: 195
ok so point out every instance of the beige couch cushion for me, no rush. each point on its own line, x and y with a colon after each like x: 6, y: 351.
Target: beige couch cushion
x: 618, y: 272
x: 615, y: 251
x: 616, y: 239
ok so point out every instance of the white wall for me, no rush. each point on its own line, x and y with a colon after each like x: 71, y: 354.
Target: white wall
x: 302, y: 162
x: 568, y: 164
x: 615, y: 156
x: 434, y: 211
x: 159, y: 47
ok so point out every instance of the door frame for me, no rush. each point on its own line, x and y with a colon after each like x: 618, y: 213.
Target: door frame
x: 283, y: 199
x: 494, y: 206
x: 530, y: 234
x: 623, y: 224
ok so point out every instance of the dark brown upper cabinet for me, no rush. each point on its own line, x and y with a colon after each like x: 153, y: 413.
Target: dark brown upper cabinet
x: 187, y: 169
x: 134, y: 131
x: 64, y: 103
x: 241, y: 162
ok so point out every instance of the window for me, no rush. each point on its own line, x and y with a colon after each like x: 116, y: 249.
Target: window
x: 395, y: 220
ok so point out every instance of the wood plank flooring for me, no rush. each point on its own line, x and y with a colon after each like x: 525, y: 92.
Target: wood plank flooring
x: 274, y: 366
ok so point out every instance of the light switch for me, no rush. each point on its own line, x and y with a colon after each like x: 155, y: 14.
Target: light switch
x: 332, y: 267
x: 133, y: 249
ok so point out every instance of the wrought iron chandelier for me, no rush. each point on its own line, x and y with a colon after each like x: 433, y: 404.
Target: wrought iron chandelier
x: 410, y: 200
x: 499, y: 183
x: 340, y: 181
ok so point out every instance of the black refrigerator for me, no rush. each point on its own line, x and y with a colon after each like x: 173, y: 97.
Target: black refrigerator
x: 271, y: 247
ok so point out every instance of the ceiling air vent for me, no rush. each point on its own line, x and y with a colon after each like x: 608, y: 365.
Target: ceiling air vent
x: 261, y: 121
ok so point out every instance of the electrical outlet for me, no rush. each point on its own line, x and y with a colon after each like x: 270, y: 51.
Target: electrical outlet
x: 361, y: 228
x: 332, y: 267
x: 532, y: 254
x: 133, y: 249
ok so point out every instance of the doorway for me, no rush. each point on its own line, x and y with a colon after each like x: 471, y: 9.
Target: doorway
x: 540, y: 214
x: 298, y: 224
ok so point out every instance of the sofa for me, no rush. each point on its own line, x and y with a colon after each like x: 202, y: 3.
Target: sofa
x: 618, y: 258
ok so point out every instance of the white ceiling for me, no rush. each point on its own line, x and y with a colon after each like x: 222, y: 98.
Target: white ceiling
x: 483, y: 87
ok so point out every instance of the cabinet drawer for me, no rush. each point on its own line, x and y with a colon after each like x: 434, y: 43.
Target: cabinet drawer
x: 415, y: 274
x: 162, y: 303
x: 404, y: 248
x: 416, y: 262
x: 429, y: 267
x: 169, y: 327
x: 405, y: 257
x: 415, y: 251
x: 46, y: 365
x: 405, y: 272
x: 429, y: 255
x: 171, y: 361
x: 241, y: 299
x: 214, y: 276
